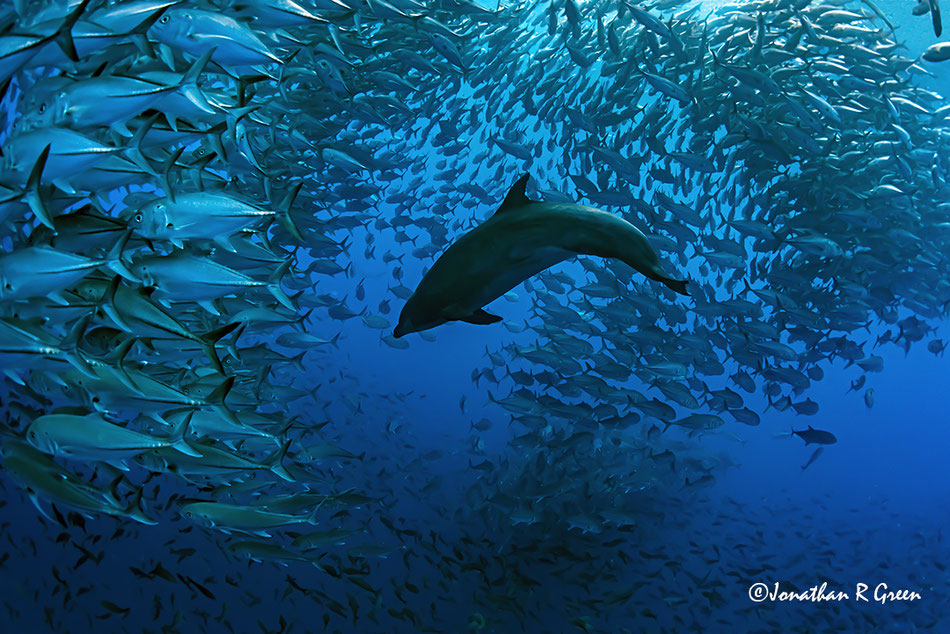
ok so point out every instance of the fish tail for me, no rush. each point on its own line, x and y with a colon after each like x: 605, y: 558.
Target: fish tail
x: 210, y: 338
x: 136, y: 511
x: 34, y: 196
x: 70, y: 345
x: 134, y: 149
x: 283, y: 212
x: 190, y: 78
x: 179, y: 437
x: 116, y: 259
x: 273, y: 285
x: 64, y: 34
x: 138, y: 33
x: 297, y: 361
x: 276, y: 463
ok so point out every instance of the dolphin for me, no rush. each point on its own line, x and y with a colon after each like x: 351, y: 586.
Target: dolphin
x: 521, y: 239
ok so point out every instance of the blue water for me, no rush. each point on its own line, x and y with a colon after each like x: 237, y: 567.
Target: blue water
x: 869, y: 510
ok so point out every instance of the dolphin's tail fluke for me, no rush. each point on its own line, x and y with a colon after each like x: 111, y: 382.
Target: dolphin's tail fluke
x: 677, y: 286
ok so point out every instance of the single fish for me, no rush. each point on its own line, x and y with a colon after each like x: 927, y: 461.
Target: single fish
x: 816, y: 436
x: 813, y: 458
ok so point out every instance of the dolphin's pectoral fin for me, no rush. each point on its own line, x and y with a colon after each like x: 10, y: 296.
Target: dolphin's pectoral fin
x: 481, y: 318
x: 516, y: 196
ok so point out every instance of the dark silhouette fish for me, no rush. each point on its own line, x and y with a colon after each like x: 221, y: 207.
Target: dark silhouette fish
x: 816, y: 436
x: 814, y: 457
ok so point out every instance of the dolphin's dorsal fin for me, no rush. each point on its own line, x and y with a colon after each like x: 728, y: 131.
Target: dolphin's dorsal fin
x: 516, y: 196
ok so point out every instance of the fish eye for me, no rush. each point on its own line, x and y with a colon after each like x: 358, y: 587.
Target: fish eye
x: 138, y: 217
x: 164, y: 19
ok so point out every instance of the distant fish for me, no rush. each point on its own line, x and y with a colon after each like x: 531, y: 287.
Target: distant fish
x: 814, y: 457
x: 522, y: 238
x: 816, y: 436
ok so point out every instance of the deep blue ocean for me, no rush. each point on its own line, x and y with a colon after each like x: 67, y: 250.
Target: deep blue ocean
x: 238, y: 394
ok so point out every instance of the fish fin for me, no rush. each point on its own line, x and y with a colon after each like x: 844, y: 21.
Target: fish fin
x: 210, y: 307
x: 273, y: 285
x: 481, y: 318
x: 139, y: 36
x: 116, y: 259
x: 64, y: 35
x: 194, y: 71
x: 110, y: 307
x: 276, y: 463
x: 70, y: 345
x: 166, y: 54
x: 210, y: 338
x: 219, y: 393
x: 34, y: 195
x: 216, y: 400
x: 64, y: 186
x: 283, y: 212
x: 57, y: 298
x: 134, y: 148
x: 13, y: 376
x: 36, y: 502
x: 166, y: 173
x: 120, y: 128
x: 516, y: 195
x: 135, y: 510
x: 179, y: 438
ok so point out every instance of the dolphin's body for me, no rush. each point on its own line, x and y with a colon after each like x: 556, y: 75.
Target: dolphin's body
x: 521, y: 239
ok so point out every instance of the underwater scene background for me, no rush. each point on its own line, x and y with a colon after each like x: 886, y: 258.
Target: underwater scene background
x: 221, y: 415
